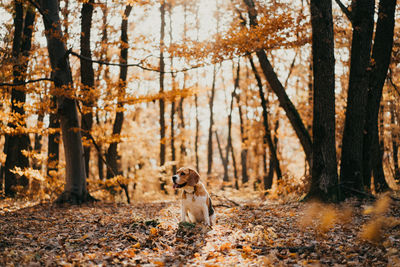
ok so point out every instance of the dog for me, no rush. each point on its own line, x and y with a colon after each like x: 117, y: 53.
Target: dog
x: 196, y: 202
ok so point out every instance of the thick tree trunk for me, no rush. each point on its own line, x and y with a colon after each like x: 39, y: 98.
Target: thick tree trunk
x: 75, y: 190
x: 18, y: 142
x: 113, y: 158
x: 210, y: 129
x: 381, y: 54
x: 279, y: 90
x: 351, y: 169
x: 267, y: 134
x: 324, y: 179
x: 87, y: 77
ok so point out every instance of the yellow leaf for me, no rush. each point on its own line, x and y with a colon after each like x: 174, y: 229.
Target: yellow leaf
x: 137, y: 245
x: 153, y: 231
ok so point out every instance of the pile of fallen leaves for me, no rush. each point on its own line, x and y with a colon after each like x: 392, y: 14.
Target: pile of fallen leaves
x: 247, y: 233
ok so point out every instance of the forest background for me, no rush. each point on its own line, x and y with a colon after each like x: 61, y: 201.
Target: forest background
x: 224, y: 86
x: 272, y: 102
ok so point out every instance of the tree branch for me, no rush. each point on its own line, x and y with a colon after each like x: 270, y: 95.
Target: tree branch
x: 389, y: 77
x: 26, y: 82
x: 345, y: 10
x: 139, y: 65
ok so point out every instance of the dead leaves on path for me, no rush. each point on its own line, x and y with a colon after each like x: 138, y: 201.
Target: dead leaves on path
x: 253, y: 233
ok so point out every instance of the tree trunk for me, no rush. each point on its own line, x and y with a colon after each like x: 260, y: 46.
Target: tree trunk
x: 244, y: 149
x: 395, y: 146
x: 18, y: 141
x: 381, y: 54
x: 229, y: 138
x: 196, y: 138
x: 324, y: 179
x: 279, y: 90
x: 182, y: 148
x: 267, y: 134
x: 36, y: 164
x: 162, y: 102
x: 243, y: 136
x: 113, y: 158
x: 173, y: 108
x: 75, y: 190
x: 223, y: 159
x: 87, y: 77
x: 104, y: 57
x: 53, y: 145
x: 210, y: 129
x: 351, y: 169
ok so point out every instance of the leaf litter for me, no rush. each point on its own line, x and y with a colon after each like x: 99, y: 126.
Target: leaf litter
x: 250, y: 233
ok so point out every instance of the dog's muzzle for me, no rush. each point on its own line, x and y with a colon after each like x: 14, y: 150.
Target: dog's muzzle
x: 176, y: 185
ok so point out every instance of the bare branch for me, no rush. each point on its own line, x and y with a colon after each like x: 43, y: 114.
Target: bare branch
x: 389, y: 77
x: 26, y: 82
x: 139, y: 65
x: 345, y: 10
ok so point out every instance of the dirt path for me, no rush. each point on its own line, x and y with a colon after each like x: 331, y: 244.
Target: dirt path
x: 252, y: 234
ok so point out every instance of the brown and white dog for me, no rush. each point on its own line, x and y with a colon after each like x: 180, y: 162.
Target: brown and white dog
x: 196, y: 202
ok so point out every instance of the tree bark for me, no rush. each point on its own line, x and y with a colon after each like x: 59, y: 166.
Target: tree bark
x: 173, y: 108
x: 104, y: 57
x: 87, y: 77
x: 244, y: 149
x: 18, y: 141
x: 267, y: 133
x: 395, y: 147
x: 38, y: 144
x: 163, y: 183
x: 210, y: 129
x: 279, y: 90
x: 112, y: 156
x: 381, y: 54
x: 351, y: 169
x: 75, y: 190
x: 324, y: 178
x: 53, y: 145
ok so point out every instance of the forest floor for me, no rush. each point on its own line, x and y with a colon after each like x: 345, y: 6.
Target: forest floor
x: 247, y: 233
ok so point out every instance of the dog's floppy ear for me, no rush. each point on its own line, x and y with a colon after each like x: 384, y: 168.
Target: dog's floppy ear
x: 194, y: 178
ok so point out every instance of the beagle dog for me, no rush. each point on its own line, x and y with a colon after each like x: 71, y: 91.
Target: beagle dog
x: 196, y: 202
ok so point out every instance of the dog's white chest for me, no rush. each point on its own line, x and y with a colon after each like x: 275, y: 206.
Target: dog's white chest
x: 195, y: 206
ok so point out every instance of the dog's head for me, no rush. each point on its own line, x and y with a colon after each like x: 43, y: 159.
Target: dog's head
x: 185, y: 177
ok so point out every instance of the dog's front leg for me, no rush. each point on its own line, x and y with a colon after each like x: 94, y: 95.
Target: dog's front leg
x: 183, y: 213
x: 206, y: 215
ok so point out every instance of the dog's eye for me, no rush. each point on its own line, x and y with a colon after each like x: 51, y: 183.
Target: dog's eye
x: 182, y: 173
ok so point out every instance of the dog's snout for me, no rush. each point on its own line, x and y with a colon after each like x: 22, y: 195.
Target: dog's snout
x: 174, y: 178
